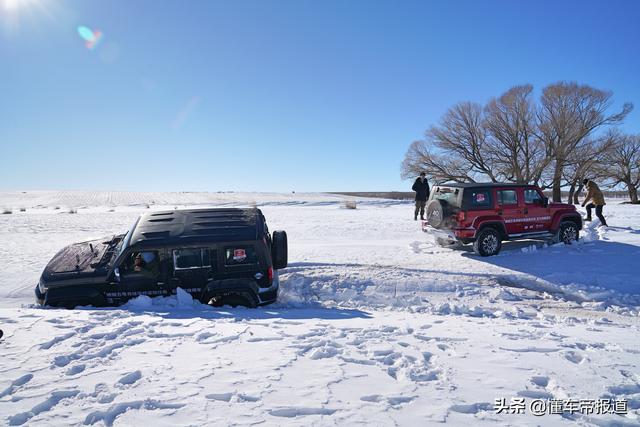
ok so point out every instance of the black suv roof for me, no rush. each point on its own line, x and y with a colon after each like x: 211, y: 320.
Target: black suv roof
x: 482, y: 184
x: 197, y: 226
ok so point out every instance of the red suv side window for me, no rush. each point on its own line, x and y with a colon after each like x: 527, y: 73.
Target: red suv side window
x: 480, y: 199
x: 532, y: 197
x: 507, y: 197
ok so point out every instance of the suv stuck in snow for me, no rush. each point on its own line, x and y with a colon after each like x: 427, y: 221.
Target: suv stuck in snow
x: 485, y: 214
x: 219, y: 256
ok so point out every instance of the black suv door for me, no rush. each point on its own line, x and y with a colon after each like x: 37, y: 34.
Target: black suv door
x: 192, y: 267
x: 141, y: 273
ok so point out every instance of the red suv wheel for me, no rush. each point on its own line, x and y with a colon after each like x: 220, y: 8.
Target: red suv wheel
x: 488, y: 243
x: 567, y: 233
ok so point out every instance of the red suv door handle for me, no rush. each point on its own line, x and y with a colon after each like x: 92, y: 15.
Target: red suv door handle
x: 526, y: 210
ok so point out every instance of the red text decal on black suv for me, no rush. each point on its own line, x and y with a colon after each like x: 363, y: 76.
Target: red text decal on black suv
x: 485, y: 214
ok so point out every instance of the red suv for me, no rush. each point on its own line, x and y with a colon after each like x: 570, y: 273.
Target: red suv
x: 485, y: 214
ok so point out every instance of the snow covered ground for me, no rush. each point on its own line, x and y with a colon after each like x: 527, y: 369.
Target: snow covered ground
x: 376, y: 325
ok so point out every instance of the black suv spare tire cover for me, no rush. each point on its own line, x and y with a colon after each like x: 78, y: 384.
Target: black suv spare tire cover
x: 279, y: 249
x: 436, y: 212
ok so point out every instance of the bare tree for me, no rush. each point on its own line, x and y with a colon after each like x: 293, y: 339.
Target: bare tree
x: 455, y: 149
x: 513, y: 139
x: 623, y: 163
x: 438, y: 167
x: 514, y: 147
x: 567, y: 115
x: 586, y: 162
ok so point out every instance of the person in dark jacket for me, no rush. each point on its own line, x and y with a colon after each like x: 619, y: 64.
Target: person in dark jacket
x: 595, y: 196
x: 140, y: 264
x: 421, y: 187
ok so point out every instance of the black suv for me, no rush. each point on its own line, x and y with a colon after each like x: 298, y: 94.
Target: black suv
x: 219, y: 256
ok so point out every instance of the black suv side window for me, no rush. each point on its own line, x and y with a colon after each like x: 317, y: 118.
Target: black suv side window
x: 190, y: 258
x: 507, y: 197
x: 532, y: 197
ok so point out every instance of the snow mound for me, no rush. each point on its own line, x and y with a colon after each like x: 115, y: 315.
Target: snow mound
x: 182, y: 300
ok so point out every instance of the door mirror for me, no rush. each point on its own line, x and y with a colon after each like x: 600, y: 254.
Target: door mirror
x: 115, y: 275
x: 545, y: 202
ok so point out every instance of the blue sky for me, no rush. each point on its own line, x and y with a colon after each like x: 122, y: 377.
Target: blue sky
x: 287, y: 95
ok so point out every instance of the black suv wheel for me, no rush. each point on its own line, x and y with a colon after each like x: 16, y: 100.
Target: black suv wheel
x: 488, y: 242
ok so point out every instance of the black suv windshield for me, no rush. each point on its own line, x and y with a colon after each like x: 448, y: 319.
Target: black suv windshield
x: 124, y: 243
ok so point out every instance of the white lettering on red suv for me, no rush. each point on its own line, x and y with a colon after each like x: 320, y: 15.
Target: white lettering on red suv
x: 527, y: 219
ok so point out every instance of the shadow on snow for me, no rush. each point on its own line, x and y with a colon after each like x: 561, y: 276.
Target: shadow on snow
x: 598, y: 265
x: 203, y: 311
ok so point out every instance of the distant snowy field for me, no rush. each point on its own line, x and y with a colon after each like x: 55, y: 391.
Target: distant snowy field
x: 375, y: 325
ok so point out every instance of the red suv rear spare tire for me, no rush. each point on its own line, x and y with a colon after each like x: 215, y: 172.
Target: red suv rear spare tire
x: 436, y: 213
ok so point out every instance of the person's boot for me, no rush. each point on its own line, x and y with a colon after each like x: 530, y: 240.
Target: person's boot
x: 587, y: 219
x: 415, y: 217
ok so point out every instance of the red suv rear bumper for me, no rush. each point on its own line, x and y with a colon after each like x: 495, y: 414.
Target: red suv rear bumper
x: 455, y: 234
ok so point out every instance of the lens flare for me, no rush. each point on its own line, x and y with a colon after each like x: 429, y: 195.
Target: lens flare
x: 85, y: 33
x: 14, y: 12
x: 13, y: 4
x: 90, y: 37
x: 10, y: 4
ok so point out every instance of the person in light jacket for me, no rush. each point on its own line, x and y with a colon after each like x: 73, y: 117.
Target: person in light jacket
x: 596, y: 199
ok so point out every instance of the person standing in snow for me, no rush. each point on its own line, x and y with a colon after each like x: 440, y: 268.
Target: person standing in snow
x: 421, y: 187
x: 595, y: 196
